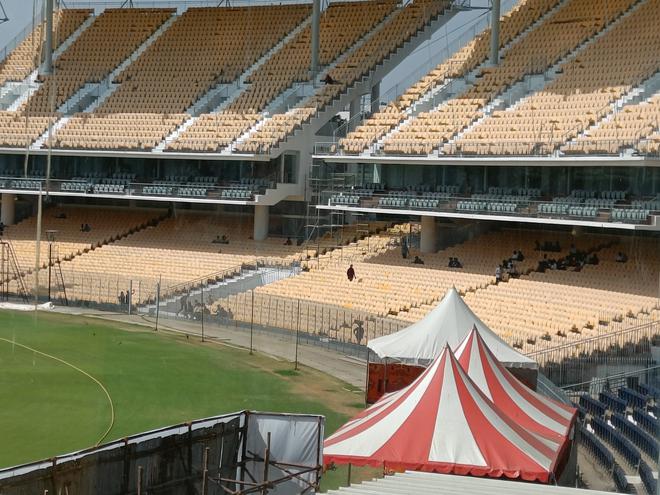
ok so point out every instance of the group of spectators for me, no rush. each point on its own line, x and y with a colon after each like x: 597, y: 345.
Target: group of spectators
x: 508, y: 266
x: 220, y: 239
x: 85, y: 227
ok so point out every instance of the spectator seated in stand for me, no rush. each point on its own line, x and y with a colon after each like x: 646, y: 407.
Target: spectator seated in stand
x: 288, y: 241
x: 418, y: 261
x: 621, y: 257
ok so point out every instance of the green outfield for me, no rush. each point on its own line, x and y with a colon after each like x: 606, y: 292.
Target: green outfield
x: 53, y: 385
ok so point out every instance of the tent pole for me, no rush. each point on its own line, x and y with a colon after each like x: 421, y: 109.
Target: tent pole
x: 366, y: 385
x: 385, y: 378
x: 348, y: 483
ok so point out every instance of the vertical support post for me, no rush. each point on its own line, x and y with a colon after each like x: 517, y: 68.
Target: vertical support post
x: 8, y: 209
x: 50, y: 264
x: 266, y: 465
x: 366, y: 380
x: 202, y: 317
x: 48, y: 48
x: 316, y: 27
x: 205, y: 471
x: 297, y: 335
x: 252, y: 321
x: 139, y: 480
x: 349, y: 475
x: 160, y: 278
x: 130, y: 296
x: 37, y: 254
x: 495, y: 33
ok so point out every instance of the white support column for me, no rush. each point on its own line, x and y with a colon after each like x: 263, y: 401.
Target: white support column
x: 428, y: 238
x: 495, y: 34
x: 7, y: 209
x: 261, y: 213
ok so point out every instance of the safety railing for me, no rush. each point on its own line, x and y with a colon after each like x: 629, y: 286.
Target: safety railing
x: 491, y: 205
x: 119, y: 187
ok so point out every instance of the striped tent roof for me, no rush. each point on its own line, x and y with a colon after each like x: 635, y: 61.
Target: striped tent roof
x: 442, y: 422
x: 546, y: 418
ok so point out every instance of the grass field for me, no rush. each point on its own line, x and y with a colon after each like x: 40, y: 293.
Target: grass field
x: 154, y: 379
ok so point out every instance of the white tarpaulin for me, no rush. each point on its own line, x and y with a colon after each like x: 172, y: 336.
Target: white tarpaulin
x: 294, y: 439
x: 448, y: 323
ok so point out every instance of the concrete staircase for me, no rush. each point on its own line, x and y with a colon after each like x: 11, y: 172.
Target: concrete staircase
x: 43, y: 139
x: 639, y: 94
x: 247, y: 279
x: 532, y: 83
x: 214, y: 102
x: 303, y: 136
x: 92, y: 95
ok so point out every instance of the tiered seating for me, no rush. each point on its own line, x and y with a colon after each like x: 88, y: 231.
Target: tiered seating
x: 624, y: 129
x: 643, y: 440
x: 92, y: 57
x: 648, y: 480
x: 582, y: 94
x: 18, y: 130
x: 117, y: 131
x: 106, y: 226
x: 465, y: 60
x: 620, y: 443
x: 612, y: 401
x: 23, y: 59
x: 178, y: 249
x: 592, y: 406
x: 651, y: 145
x: 402, y: 25
x: 202, y: 48
x: 557, y: 36
x: 288, y: 65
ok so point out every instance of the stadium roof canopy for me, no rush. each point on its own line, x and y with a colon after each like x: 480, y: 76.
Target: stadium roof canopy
x: 448, y: 323
x: 415, y: 482
x: 443, y: 423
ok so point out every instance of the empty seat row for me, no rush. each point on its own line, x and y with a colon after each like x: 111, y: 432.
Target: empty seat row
x: 630, y: 215
x: 341, y: 199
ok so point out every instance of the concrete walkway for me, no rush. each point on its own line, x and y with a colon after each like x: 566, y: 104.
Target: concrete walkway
x: 279, y: 346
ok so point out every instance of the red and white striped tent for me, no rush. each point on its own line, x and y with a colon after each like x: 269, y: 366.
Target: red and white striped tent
x: 442, y: 423
x: 548, y: 419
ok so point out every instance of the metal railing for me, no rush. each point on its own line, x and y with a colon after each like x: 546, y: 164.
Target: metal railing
x: 504, y: 206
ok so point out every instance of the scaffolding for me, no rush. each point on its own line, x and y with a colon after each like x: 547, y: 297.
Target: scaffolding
x: 10, y: 272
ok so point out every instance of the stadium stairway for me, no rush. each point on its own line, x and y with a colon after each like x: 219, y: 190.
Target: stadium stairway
x: 14, y: 94
x: 247, y: 279
x: 90, y: 96
x: 302, y: 136
x: 531, y: 83
x: 452, y: 87
x: 213, y: 102
x: 643, y: 92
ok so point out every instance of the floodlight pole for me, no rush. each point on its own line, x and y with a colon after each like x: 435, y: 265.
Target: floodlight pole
x: 316, y: 23
x: 47, y: 67
x: 495, y: 33
x: 252, y: 320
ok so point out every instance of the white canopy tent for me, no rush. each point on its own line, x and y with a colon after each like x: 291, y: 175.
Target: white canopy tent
x: 448, y: 323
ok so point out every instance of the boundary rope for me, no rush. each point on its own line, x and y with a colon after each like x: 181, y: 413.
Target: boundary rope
x: 95, y: 380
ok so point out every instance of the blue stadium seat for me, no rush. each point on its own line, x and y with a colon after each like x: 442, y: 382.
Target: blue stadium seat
x: 632, y: 398
x: 646, y: 474
x: 636, y: 435
x: 593, y: 406
x: 620, y: 443
x: 648, y: 422
x: 649, y: 390
x: 612, y: 401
